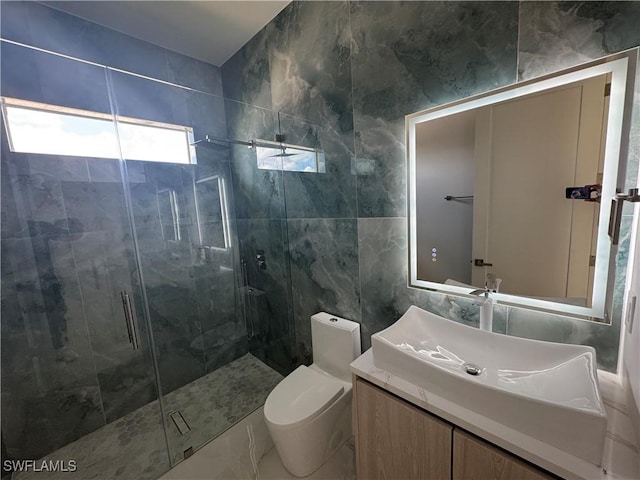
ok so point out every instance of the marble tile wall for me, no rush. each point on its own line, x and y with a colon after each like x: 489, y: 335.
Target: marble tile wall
x: 309, y: 63
x: 558, y: 35
x: 352, y: 70
x: 267, y: 291
x: 257, y: 193
x: 421, y: 55
x: 324, y: 273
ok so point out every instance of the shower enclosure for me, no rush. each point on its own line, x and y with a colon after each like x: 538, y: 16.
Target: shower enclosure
x: 142, y: 313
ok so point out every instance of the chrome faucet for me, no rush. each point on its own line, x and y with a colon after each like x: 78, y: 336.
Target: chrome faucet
x: 486, y: 302
x: 486, y: 308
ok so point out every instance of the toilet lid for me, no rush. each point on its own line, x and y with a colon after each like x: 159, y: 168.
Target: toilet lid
x: 302, y: 395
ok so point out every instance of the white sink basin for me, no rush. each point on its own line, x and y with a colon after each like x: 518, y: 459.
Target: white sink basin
x: 546, y: 390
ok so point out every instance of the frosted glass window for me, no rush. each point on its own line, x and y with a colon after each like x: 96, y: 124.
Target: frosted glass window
x: 54, y: 130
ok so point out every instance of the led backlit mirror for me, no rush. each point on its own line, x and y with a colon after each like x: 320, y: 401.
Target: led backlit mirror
x: 517, y: 183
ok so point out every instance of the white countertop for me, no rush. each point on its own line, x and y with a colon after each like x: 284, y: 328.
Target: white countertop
x: 621, y: 458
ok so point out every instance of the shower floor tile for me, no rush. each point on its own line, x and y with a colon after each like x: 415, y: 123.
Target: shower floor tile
x: 133, y: 447
x: 215, y: 402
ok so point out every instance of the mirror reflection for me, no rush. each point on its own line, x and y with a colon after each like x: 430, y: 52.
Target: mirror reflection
x: 169, y: 212
x: 515, y: 186
x: 211, y: 212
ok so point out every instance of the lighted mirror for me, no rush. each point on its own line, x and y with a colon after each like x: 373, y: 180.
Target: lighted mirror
x: 516, y: 185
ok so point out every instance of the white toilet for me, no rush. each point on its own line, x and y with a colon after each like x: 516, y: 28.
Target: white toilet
x: 308, y: 413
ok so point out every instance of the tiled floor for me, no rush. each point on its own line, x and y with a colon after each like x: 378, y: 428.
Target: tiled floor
x: 134, y: 447
x: 341, y: 466
x: 215, y: 402
x: 246, y: 452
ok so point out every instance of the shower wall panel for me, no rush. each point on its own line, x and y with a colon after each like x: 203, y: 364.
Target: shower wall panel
x: 298, y: 67
x: 267, y: 291
x: 259, y: 197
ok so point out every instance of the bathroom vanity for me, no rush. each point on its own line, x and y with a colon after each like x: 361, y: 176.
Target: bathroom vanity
x: 437, y: 399
x: 396, y: 439
x: 397, y: 424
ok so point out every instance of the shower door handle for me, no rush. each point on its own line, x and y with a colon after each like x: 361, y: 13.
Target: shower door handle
x: 129, y: 320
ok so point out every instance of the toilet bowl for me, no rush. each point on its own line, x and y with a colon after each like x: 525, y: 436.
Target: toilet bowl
x: 308, y: 414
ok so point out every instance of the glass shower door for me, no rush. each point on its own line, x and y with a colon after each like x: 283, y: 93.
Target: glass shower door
x: 185, y: 230
x: 182, y: 232
x: 78, y: 383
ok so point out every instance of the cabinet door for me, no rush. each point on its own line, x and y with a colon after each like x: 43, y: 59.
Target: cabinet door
x: 395, y: 440
x: 474, y: 459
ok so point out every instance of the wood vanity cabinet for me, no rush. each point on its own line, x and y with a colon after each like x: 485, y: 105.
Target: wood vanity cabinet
x: 397, y: 440
x: 475, y: 459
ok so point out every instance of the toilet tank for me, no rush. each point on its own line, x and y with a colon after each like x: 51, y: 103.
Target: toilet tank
x: 336, y: 343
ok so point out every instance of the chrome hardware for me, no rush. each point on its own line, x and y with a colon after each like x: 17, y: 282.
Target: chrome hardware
x: 480, y: 291
x: 633, y: 195
x: 247, y: 303
x: 631, y: 313
x: 129, y: 319
x: 479, y: 262
x: 261, y: 260
x: 333, y: 319
x: 463, y: 197
x: 472, y: 369
x: 615, y: 215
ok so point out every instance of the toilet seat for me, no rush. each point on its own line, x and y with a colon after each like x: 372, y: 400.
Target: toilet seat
x: 301, y: 396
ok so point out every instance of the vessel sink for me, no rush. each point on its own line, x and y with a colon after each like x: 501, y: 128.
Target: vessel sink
x: 548, y: 391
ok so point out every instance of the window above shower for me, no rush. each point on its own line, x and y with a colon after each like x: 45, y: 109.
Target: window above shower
x: 292, y: 158
x: 34, y: 127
